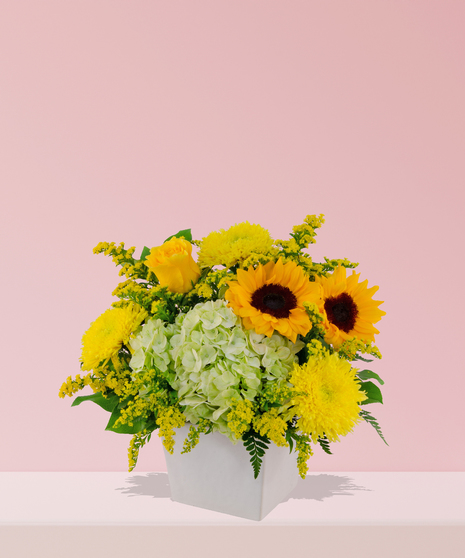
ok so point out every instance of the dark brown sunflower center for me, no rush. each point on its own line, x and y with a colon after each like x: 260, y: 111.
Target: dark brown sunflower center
x: 275, y: 300
x: 342, y: 311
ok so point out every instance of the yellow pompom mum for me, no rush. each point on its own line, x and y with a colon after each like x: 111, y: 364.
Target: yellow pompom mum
x: 331, y: 394
x: 108, y: 333
x: 233, y: 245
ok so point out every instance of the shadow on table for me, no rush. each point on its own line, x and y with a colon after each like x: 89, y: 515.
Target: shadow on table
x: 314, y: 487
x: 319, y: 487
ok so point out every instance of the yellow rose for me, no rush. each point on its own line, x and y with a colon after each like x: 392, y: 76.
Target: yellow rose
x: 173, y: 265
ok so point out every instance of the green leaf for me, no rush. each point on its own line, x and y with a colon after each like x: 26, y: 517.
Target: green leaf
x: 302, y: 355
x: 138, y: 424
x: 107, y: 403
x: 291, y: 444
x: 124, y: 403
x: 222, y: 291
x: 371, y: 420
x: 365, y: 374
x: 289, y: 438
x: 358, y: 357
x: 186, y: 233
x: 145, y: 253
x: 373, y: 393
x: 173, y: 397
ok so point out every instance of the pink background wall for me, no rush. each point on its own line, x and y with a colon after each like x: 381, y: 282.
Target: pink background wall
x: 127, y: 121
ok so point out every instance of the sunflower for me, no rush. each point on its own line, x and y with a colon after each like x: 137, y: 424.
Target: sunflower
x: 329, y: 397
x: 349, y: 310
x: 270, y: 298
x: 233, y: 245
x: 108, y: 333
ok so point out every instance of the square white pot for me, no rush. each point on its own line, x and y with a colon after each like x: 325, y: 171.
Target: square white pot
x: 217, y: 475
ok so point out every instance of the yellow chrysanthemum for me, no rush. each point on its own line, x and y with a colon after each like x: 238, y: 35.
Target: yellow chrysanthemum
x: 233, y: 245
x: 271, y: 297
x: 108, y: 333
x: 330, y: 405
x: 349, y: 309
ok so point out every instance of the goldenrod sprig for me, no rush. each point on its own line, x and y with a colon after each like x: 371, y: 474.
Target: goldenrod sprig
x: 353, y: 348
x: 169, y: 419
x: 240, y: 416
x: 204, y: 426
x: 137, y: 442
x: 271, y: 426
x: 70, y: 387
x: 121, y: 256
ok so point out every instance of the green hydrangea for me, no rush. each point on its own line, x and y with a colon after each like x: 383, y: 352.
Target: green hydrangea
x: 151, y: 346
x: 211, y: 360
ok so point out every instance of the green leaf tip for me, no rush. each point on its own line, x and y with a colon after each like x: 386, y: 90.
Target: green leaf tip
x: 366, y: 374
x: 145, y: 253
x: 108, y: 403
x: 373, y: 393
x: 186, y: 234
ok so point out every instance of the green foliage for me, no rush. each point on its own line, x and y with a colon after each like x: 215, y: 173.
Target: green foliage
x: 138, y: 441
x: 324, y: 443
x: 373, y: 393
x: 140, y: 292
x: 172, y: 394
x: 352, y: 349
x: 366, y: 416
x: 186, y: 234
x: 137, y: 424
x: 256, y: 445
x: 291, y: 435
x: 275, y: 394
x: 366, y: 374
x: 331, y: 265
x: 108, y: 403
x: 203, y: 427
x: 145, y: 253
x: 303, y: 447
x: 302, y: 355
x: 358, y: 357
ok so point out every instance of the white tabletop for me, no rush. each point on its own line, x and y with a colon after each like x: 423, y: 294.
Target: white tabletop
x: 125, y: 513
x: 144, y: 499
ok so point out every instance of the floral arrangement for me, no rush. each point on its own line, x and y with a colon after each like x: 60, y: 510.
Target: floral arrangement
x: 253, y: 339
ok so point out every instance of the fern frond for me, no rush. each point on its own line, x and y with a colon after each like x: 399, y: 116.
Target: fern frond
x: 371, y: 420
x: 256, y: 445
x: 324, y: 443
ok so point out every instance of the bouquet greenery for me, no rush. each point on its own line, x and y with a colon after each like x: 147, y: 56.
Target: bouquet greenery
x: 254, y: 340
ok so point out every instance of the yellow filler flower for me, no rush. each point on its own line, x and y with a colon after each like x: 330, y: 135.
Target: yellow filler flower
x: 328, y: 403
x: 108, y: 333
x: 349, y: 309
x: 173, y: 265
x: 271, y: 297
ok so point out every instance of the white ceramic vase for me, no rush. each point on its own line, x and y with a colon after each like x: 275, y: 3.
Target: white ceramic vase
x: 217, y: 475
